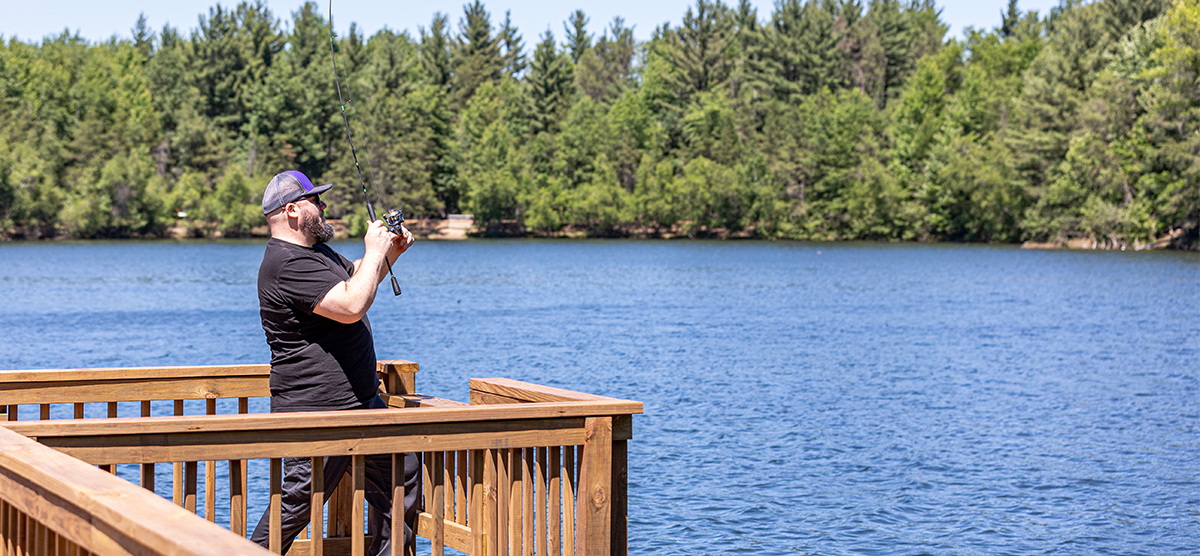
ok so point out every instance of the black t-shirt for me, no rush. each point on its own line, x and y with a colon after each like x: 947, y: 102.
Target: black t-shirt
x: 316, y: 363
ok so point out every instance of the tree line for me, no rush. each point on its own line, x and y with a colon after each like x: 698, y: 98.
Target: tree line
x: 823, y: 120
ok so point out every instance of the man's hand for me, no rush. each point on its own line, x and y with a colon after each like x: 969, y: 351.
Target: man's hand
x: 400, y: 244
x: 379, y: 240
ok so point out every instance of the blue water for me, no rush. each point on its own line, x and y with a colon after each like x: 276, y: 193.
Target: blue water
x: 800, y: 398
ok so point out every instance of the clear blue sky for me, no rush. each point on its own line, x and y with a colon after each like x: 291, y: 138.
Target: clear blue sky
x: 101, y: 19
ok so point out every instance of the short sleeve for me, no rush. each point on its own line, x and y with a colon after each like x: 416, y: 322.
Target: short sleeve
x: 304, y: 281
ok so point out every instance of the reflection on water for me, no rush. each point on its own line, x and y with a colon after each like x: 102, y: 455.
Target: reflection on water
x: 800, y: 398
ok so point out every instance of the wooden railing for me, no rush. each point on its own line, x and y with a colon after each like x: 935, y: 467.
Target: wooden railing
x: 523, y: 469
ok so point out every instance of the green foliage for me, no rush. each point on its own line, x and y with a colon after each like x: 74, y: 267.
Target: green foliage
x: 824, y: 119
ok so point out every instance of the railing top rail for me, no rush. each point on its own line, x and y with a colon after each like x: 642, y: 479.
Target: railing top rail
x: 267, y: 422
x: 102, y: 513
x: 11, y: 377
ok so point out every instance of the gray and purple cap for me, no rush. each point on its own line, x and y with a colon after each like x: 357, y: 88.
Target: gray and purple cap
x: 289, y: 187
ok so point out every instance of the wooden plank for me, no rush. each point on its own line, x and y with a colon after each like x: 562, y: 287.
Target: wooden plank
x: 190, y: 447
x: 316, y: 521
x: 275, y: 507
x: 79, y: 411
x: 13, y: 378
x: 555, y: 479
x: 539, y: 483
x: 190, y: 469
x: 490, y: 500
x: 418, y: 400
x: 620, y: 498
x: 529, y: 392
x: 237, y: 496
x: 461, y: 487
x: 527, y: 508
x: 448, y: 484
x: 102, y: 513
x: 276, y: 423
x: 397, y: 525
x: 357, y: 472
x: 332, y: 546
x: 516, y: 503
x: 503, y: 492
x: 569, y: 482
x: 130, y: 390
x: 475, y: 512
x: 593, y: 512
x: 44, y: 414
x: 147, y: 468
x: 210, y: 473
x: 484, y: 398
x: 457, y: 536
x: 438, y: 489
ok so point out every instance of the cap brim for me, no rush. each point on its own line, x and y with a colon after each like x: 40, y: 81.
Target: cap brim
x: 318, y: 190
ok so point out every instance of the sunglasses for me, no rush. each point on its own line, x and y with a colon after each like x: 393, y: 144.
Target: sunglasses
x: 316, y: 199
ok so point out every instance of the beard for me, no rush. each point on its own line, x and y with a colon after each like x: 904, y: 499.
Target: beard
x: 316, y: 228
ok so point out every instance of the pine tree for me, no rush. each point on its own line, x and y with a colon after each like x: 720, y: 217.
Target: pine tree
x: 514, y: 55
x: 1009, y: 19
x: 477, y: 56
x: 436, y: 64
x: 605, y: 70
x: 578, y: 39
x: 143, y: 37
x: 702, y: 50
x: 550, y: 85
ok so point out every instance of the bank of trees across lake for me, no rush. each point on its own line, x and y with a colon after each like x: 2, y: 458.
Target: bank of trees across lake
x: 825, y: 119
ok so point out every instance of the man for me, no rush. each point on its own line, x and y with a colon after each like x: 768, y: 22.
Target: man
x: 313, y: 304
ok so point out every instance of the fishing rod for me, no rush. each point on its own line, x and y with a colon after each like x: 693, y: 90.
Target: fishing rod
x: 394, y: 218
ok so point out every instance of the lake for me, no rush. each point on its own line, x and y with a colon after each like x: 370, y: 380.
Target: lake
x: 801, y: 398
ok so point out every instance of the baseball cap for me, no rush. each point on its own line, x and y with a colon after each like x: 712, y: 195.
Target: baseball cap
x: 288, y: 187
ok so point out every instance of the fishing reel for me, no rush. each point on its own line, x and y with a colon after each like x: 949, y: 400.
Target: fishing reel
x: 393, y: 220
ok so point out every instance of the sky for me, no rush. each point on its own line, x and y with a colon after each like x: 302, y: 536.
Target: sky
x: 97, y: 20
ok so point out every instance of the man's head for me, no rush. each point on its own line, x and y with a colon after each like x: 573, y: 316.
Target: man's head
x: 294, y: 209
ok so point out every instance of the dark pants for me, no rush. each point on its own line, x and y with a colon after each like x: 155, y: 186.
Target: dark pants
x: 297, y: 497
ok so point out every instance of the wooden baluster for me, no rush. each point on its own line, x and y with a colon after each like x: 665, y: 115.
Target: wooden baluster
x: 5, y: 532
x: 539, y: 481
x: 503, y: 493
x: 147, y: 468
x: 516, y: 488
x: 620, y: 497
x: 441, y: 502
x: 555, y: 469
x: 274, y: 535
x: 79, y: 411
x: 356, y: 509
x: 594, y: 500
x: 448, y: 459
x: 210, y: 473
x: 238, y: 484
x: 177, y: 476
x: 427, y: 471
x: 475, y: 513
x: 190, y: 472
x: 112, y: 414
x: 569, y: 501
x: 397, y: 535
x: 317, y: 521
x: 488, y: 507
x: 45, y: 413
x: 527, y: 515
x: 460, y: 488
x: 12, y: 412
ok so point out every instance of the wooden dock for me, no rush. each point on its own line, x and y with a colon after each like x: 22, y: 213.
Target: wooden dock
x: 522, y: 470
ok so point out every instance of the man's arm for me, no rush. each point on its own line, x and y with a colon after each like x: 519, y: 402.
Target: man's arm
x: 348, y: 301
